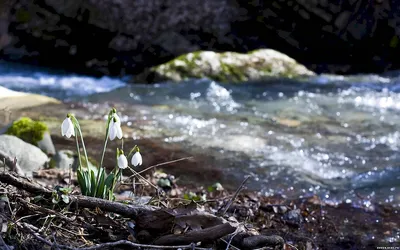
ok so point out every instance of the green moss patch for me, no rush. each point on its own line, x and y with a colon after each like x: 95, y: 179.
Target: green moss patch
x: 28, y: 130
x: 227, y: 67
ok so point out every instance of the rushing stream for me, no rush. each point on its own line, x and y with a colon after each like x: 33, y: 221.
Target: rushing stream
x: 333, y: 136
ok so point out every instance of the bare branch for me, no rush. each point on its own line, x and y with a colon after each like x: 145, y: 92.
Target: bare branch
x: 234, y: 196
x: 40, y: 238
x: 158, y: 165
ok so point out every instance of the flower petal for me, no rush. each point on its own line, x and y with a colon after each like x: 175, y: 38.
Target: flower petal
x: 119, y: 131
x: 112, y: 132
x: 68, y: 133
x: 72, y: 129
x: 67, y: 128
x: 64, y: 126
x: 122, y: 162
x: 136, y: 159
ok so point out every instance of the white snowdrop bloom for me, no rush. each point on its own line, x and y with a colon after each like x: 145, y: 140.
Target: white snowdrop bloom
x: 67, y: 128
x: 122, y: 161
x: 136, y: 159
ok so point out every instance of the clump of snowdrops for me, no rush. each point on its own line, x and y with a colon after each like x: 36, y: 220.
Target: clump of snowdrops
x: 96, y: 182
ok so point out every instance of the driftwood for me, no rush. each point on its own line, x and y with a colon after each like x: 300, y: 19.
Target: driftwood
x: 207, y: 235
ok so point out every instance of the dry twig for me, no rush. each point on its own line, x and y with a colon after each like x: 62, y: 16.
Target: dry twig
x: 240, y: 188
x: 158, y: 165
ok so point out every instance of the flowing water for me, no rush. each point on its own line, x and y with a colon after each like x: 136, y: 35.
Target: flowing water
x: 333, y: 136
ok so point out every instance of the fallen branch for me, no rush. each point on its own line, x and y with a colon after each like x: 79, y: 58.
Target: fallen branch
x: 259, y: 241
x: 23, y: 183
x: 80, y: 200
x: 130, y: 211
x: 37, y: 236
x: 207, y: 234
x: 245, y: 240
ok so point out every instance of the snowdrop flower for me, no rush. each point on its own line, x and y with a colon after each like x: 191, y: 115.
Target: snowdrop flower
x: 67, y: 128
x: 114, y: 129
x: 136, y: 159
x: 122, y: 161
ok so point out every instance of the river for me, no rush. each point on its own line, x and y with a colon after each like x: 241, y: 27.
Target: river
x: 333, y: 136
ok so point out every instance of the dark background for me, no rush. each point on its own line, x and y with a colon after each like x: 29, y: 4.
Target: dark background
x: 120, y: 37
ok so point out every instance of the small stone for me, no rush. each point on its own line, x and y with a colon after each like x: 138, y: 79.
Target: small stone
x: 293, y: 217
x: 64, y: 159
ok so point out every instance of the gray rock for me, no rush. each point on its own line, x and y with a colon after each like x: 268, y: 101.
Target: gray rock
x: 65, y: 159
x: 29, y: 157
x: 46, y: 144
x: 293, y: 217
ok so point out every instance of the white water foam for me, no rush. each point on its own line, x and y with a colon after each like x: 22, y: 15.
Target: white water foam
x: 220, y: 97
x: 65, y: 86
x: 303, y: 162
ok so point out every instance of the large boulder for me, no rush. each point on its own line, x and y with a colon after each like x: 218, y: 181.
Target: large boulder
x: 29, y: 157
x: 226, y: 67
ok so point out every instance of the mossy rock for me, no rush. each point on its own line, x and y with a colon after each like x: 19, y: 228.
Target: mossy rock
x: 226, y: 67
x: 28, y: 130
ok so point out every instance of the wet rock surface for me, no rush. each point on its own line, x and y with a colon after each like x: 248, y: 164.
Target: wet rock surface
x: 226, y: 67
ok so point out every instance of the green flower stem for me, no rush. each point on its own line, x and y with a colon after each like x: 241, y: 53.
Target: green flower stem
x: 106, y: 138
x: 83, y: 143
x: 77, y: 148
x: 104, y: 147
x: 114, y: 180
x: 133, y: 149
